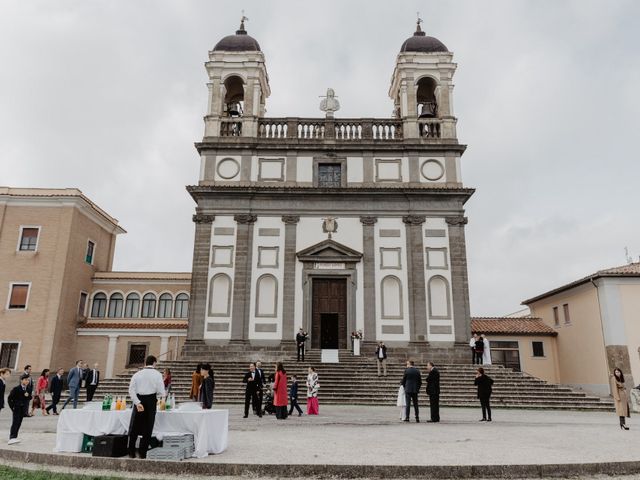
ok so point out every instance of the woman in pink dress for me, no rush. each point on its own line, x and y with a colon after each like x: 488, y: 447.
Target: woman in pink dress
x: 312, y: 392
x: 41, y: 388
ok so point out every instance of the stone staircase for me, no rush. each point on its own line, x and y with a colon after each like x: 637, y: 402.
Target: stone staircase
x: 354, y: 381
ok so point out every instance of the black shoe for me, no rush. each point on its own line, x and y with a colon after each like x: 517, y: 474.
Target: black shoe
x: 259, y: 416
x: 483, y: 420
x: 417, y: 420
x: 489, y: 420
x: 406, y: 420
x: 245, y: 416
x: 624, y: 427
x: 300, y: 414
x: 132, y: 454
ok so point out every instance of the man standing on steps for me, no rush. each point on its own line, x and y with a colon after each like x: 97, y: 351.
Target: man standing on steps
x: 381, y: 357
x: 411, y: 381
x: 253, y: 382
x: 93, y: 379
x: 301, y: 338
x: 433, y: 390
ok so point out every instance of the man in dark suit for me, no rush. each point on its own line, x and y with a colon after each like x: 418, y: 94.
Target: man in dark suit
x: 433, y: 390
x: 301, y: 338
x: 18, y: 400
x: 5, y: 373
x: 254, y: 383
x: 92, y: 381
x: 260, y: 372
x: 55, y: 387
x: 411, y: 381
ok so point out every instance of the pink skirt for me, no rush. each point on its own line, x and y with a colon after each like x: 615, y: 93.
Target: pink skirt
x: 312, y: 406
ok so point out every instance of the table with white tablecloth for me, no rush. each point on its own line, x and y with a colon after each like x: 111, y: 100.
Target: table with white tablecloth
x: 210, y: 428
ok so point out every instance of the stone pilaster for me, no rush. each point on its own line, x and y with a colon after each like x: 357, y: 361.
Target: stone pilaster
x: 459, y: 278
x: 289, y: 277
x: 369, y: 277
x: 242, y: 276
x: 415, y: 274
x: 199, y: 277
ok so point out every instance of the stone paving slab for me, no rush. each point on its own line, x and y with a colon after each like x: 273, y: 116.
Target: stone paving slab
x: 373, y: 436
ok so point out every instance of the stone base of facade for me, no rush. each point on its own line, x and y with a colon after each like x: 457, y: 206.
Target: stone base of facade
x: 238, y: 350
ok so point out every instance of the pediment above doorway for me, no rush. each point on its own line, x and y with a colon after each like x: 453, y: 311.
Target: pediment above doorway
x: 329, y: 251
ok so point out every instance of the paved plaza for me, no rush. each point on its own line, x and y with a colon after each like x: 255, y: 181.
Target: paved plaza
x: 352, y: 435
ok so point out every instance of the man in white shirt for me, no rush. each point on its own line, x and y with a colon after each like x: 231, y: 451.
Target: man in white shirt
x: 144, y: 388
x: 93, y: 380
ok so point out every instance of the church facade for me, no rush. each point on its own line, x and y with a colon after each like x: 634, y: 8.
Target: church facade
x: 330, y: 224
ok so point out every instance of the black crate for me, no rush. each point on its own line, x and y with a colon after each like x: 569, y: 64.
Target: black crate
x: 110, y: 446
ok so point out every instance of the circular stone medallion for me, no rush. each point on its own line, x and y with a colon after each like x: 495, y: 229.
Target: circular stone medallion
x: 228, y: 168
x: 432, y: 170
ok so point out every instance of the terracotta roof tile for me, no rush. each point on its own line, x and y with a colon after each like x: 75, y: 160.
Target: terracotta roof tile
x: 629, y: 270
x: 513, y: 326
x: 136, y: 325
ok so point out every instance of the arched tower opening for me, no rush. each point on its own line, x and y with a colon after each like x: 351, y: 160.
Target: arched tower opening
x: 234, y: 96
x: 427, y: 104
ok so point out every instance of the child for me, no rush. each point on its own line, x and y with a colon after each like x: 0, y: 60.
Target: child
x: 293, y: 396
x: 402, y: 403
x: 18, y: 400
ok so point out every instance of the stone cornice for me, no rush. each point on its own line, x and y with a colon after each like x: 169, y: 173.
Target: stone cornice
x: 202, y: 218
x: 457, y: 221
x: 414, y: 219
x: 245, y: 218
x: 369, y: 220
x: 291, y: 219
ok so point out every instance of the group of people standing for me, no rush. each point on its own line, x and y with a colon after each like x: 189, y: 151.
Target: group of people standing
x: 203, y: 384
x: 411, y: 383
x: 29, y: 395
x: 480, y: 349
x: 278, y: 393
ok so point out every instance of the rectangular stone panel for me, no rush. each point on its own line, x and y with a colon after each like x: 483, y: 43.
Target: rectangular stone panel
x: 217, y: 327
x: 393, y: 329
x: 386, y: 232
x: 268, y: 232
x: 435, y: 233
x: 440, y: 329
x: 267, y: 327
x: 223, y: 231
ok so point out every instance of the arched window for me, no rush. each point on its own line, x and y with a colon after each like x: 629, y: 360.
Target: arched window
x: 391, y: 297
x: 220, y: 296
x: 426, y: 98
x: 266, y: 296
x: 99, y: 305
x: 182, y: 306
x: 115, y: 305
x: 132, y: 306
x: 438, y: 288
x: 148, y: 305
x: 165, y: 305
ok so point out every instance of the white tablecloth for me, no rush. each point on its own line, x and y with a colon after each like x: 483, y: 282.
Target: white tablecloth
x: 210, y: 428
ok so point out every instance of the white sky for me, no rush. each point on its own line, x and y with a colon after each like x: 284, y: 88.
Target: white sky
x: 108, y: 97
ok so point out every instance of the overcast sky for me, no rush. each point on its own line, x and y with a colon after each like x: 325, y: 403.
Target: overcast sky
x: 109, y: 96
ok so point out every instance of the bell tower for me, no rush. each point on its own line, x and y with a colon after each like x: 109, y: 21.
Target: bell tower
x: 238, y: 86
x: 421, y: 87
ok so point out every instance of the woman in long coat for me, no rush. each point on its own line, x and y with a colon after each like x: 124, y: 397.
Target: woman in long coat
x: 620, y: 397
x: 207, y: 387
x: 312, y: 392
x: 280, y: 397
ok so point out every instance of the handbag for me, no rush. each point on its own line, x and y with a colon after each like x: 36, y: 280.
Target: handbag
x: 36, y: 402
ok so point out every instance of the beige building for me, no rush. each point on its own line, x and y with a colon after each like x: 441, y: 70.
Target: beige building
x: 596, y: 318
x: 60, y: 299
